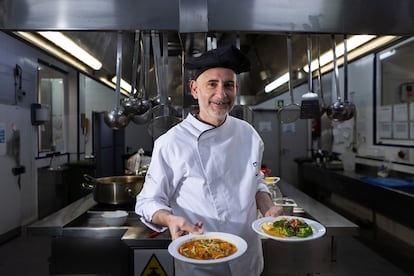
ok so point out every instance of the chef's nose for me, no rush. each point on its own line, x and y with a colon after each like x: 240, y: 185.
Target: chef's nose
x: 221, y: 91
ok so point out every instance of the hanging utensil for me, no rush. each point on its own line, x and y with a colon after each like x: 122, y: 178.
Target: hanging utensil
x: 240, y: 111
x: 131, y: 104
x: 145, y: 105
x: 349, y: 107
x: 336, y: 111
x: 322, y: 107
x: 164, y: 116
x: 116, y: 118
x: 310, y: 101
x: 290, y: 112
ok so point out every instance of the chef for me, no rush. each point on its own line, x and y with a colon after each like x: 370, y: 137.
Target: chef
x: 204, y: 174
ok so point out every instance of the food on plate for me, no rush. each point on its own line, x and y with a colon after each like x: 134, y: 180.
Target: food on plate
x: 207, y: 249
x: 287, y: 227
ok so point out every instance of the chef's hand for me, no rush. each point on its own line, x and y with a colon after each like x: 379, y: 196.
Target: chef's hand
x: 177, y: 225
x: 265, y: 204
x: 274, y: 211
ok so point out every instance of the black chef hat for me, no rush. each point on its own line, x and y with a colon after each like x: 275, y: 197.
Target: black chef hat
x: 226, y: 57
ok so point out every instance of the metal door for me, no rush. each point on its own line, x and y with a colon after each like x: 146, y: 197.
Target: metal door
x: 283, y: 143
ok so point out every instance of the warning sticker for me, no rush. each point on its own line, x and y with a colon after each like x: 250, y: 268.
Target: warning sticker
x: 153, y: 268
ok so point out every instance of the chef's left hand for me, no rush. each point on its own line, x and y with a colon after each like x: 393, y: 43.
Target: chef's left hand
x: 274, y: 211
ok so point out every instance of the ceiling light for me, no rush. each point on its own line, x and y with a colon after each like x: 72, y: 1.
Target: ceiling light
x: 352, y: 43
x: 35, y: 40
x: 276, y: 83
x: 72, y: 48
x: 124, y: 85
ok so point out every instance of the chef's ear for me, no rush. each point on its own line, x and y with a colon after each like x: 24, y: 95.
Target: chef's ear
x: 193, y: 88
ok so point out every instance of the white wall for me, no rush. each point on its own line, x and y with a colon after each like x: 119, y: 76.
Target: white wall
x: 12, y: 52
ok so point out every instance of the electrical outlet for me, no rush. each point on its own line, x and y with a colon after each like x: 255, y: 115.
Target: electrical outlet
x: 403, y: 154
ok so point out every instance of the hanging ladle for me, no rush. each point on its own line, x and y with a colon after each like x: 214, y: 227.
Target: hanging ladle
x: 164, y: 116
x: 310, y: 107
x: 349, y: 107
x: 116, y: 118
x: 131, y: 104
x: 144, y: 113
x: 336, y: 111
x: 291, y: 112
x: 322, y: 106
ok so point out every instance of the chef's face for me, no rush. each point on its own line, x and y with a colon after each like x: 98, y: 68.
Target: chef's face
x: 215, y: 89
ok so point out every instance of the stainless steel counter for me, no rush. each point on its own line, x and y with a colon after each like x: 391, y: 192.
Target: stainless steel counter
x: 62, y: 222
x: 336, y: 225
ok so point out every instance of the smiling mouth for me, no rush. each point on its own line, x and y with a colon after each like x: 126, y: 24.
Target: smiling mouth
x: 220, y: 103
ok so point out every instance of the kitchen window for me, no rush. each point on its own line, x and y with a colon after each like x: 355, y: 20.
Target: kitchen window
x: 395, y: 95
x: 52, y: 87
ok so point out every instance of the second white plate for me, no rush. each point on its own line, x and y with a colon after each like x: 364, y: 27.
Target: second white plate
x: 318, y: 229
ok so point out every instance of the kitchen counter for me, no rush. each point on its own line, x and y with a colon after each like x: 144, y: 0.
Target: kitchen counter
x: 63, y: 221
x: 393, y: 203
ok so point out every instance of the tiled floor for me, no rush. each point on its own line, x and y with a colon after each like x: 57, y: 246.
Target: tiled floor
x: 365, y: 255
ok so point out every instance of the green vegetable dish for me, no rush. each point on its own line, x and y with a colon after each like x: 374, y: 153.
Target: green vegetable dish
x: 285, y: 227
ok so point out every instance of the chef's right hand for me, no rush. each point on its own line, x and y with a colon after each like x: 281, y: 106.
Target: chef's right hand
x: 179, y: 226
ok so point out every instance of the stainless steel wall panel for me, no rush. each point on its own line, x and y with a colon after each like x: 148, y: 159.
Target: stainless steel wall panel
x: 315, y: 16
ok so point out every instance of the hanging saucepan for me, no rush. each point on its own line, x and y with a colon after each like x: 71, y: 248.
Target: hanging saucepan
x: 116, y: 118
x: 291, y: 112
x: 144, y: 114
x: 131, y: 104
x: 114, y: 189
x: 309, y: 107
x: 164, y: 116
x: 336, y: 111
x: 349, y: 107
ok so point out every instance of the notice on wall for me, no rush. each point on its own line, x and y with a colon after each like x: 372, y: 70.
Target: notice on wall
x: 3, y: 146
x: 385, y: 114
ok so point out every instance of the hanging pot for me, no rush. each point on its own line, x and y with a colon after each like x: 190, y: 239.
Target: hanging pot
x: 114, y: 189
x: 291, y: 112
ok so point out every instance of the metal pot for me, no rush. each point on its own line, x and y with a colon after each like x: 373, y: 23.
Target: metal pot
x: 114, y: 189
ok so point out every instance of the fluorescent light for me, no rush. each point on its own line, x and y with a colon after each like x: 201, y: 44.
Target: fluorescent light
x: 35, y: 40
x: 276, y: 83
x: 352, y: 43
x: 72, y: 48
x: 124, y: 85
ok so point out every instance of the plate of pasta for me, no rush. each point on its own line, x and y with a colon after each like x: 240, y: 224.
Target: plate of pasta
x: 207, y: 248
x: 289, y: 228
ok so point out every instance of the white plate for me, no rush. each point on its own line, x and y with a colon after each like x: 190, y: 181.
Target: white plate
x: 318, y: 229
x: 236, y: 240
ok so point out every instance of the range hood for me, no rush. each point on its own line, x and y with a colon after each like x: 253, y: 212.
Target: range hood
x: 260, y: 26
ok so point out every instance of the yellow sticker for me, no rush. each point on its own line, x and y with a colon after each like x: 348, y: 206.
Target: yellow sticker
x: 153, y: 267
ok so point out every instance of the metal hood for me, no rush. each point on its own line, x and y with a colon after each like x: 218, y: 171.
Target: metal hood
x: 261, y: 27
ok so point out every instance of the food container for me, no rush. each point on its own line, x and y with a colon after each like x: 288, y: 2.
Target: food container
x: 114, y: 189
x: 286, y: 203
x: 115, y: 218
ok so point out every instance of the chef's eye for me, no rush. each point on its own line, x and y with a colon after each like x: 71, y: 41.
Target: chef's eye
x: 229, y: 85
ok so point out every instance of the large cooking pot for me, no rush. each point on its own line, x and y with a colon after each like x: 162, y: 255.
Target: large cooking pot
x: 114, y: 189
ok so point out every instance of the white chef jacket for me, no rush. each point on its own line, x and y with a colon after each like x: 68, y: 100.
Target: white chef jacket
x: 209, y: 174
